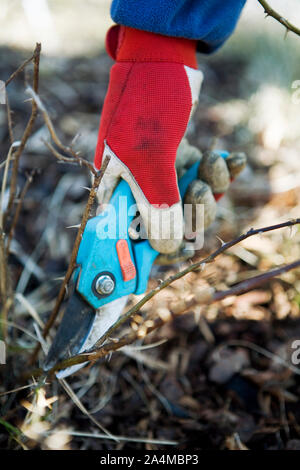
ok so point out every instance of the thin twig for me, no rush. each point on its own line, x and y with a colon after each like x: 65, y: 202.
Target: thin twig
x: 143, y: 440
x: 18, y: 211
x: 4, y: 181
x: 85, y: 217
x: 255, y: 281
x: 9, y: 121
x: 75, y: 157
x: 6, y: 308
x: 20, y: 69
x: 5, y: 285
x: 83, y: 409
x: 20, y: 328
x: 28, y: 129
x: 71, y: 160
x: 270, y: 12
x: 3, y: 266
x: 30, y: 309
x: 15, y: 390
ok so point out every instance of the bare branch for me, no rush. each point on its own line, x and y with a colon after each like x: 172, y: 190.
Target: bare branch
x: 28, y: 129
x: 194, y: 267
x: 85, y: 217
x: 75, y: 157
x: 5, y: 286
x: 72, y: 160
x: 256, y: 281
x: 20, y: 69
x: 9, y: 121
x: 4, y: 182
x: 156, y: 323
x: 18, y: 211
x: 270, y: 12
x: 206, y: 297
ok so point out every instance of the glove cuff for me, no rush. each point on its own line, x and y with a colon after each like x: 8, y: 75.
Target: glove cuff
x: 126, y: 44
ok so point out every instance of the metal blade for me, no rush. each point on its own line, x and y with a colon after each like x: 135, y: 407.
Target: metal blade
x: 105, y: 317
x: 76, y: 324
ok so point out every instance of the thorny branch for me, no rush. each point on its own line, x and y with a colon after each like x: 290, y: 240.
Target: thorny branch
x: 5, y: 284
x: 5, y: 288
x: 18, y: 211
x: 14, y: 155
x: 9, y: 121
x: 205, y: 296
x: 22, y: 66
x: 75, y: 158
x: 29, y: 127
x: 133, y: 336
x: 270, y: 12
x: 85, y: 217
x: 193, y: 267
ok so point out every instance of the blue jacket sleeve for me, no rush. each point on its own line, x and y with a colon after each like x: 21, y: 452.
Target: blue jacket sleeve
x: 210, y: 22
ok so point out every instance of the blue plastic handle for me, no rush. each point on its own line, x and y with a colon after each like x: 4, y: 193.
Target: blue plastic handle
x: 97, y: 252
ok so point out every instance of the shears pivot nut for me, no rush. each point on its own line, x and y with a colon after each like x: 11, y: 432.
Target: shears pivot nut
x: 104, y: 284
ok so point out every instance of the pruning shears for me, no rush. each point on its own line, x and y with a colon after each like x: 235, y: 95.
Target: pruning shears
x: 109, y: 269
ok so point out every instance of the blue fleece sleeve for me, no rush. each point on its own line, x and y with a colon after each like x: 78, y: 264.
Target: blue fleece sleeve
x: 211, y: 22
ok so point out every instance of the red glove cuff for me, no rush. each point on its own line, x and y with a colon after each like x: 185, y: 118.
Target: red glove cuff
x: 126, y: 44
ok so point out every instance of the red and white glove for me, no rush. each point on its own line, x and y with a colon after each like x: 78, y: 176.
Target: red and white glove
x: 154, y: 86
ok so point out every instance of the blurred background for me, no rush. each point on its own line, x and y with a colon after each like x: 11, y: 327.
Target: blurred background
x: 177, y: 391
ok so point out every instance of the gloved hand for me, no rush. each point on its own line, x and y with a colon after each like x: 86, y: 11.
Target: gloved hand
x: 213, y: 178
x: 153, y: 89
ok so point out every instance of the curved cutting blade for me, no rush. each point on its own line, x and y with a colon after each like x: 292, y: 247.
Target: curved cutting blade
x: 80, y: 329
x: 76, y: 324
x: 105, y: 317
